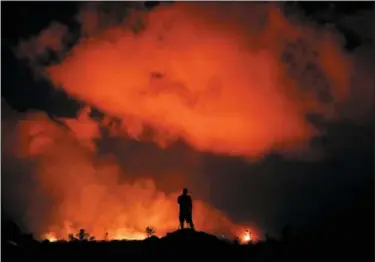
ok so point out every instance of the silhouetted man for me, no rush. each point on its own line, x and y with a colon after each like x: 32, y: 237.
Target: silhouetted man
x: 186, y: 209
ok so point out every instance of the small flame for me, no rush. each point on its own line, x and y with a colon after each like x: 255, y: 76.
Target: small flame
x: 51, y: 237
x: 134, y: 236
x: 247, y: 237
x: 127, y: 234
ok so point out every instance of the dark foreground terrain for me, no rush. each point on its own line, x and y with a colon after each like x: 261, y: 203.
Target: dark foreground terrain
x: 346, y: 235
x: 186, y: 244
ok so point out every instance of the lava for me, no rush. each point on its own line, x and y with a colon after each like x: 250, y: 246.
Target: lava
x: 88, y: 191
x: 247, y: 237
x: 238, y: 83
x: 50, y: 237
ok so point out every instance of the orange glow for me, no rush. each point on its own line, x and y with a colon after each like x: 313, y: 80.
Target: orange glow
x: 246, y: 237
x: 236, y: 78
x: 212, y: 90
x: 218, y: 76
x: 86, y: 190
x: 138, y: 236
x: 50, y: 237
x: 220, y: 81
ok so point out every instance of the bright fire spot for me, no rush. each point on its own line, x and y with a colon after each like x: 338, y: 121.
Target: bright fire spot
x: 50, y: 237
x: 247, y: 236
x: 132, y: 236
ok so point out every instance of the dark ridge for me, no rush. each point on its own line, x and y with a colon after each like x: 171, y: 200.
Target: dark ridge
x: 188, y: 244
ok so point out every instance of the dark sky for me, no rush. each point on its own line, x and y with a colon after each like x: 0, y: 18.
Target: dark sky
x: 274, y: 191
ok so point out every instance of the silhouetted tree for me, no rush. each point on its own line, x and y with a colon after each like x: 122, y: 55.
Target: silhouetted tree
x: 106, y: 238
x: 150, y: 231
x: 71, y: 237
x: 82, y: 235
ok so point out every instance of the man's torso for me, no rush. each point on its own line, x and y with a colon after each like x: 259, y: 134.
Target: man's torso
x: 185, y: 203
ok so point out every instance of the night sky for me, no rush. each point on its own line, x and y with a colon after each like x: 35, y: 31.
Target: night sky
x: 326, y: 193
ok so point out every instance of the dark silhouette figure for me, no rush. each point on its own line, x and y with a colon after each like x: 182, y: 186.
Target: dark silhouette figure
x: 186, y: 209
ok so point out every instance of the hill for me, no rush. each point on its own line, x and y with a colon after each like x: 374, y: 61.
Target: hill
x: 181, y: 244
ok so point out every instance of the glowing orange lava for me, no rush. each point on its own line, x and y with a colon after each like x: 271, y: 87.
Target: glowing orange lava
x: 246, y: 237
x: 204, y: 72
x: 124, y: 235
x: 50, y: 237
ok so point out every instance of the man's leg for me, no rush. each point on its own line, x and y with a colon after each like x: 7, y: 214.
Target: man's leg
x: 190, y: 221
x: 181, y: 218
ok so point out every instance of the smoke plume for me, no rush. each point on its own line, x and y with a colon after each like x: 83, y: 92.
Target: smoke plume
x: 76, y: 188
x: 237, y: 79
x: 225, y: 78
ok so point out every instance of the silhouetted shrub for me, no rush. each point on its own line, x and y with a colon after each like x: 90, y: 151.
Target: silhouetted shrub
x: 106, y: 238
x: 71, y: 237
x: 150, y: 231
x: 82, y: 235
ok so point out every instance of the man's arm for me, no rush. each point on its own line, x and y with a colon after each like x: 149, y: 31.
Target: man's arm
x: 190, y: 204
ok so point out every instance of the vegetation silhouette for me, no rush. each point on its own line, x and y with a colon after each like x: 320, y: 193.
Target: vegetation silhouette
x: 82, y: 235
x: 150, y: 231
x: 173, y: 246
x: 343, y: 236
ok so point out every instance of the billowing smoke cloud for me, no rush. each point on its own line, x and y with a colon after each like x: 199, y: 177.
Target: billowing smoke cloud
x: 52, y: 38
x: 237, y: 79
x: 234, y: 78
x: 38, y: 49
x: 231, y: 78
x: 76, y: 188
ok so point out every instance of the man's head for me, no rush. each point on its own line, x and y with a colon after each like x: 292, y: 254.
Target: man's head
x: 185, y: 191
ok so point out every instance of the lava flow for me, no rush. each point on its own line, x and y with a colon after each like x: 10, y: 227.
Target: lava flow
x: 247, y: 237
